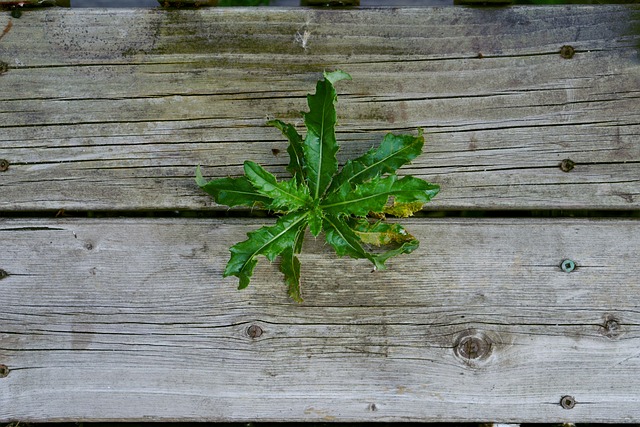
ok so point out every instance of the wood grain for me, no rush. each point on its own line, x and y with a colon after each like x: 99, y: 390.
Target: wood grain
x: 129, y: 319
x: 113, y: 109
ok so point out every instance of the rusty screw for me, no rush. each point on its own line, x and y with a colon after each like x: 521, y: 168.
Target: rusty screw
x: 4, y: 371
x: 567, y: 165
x: 567, y: 51
x: 254, y: 331
x: 4, y: 165
x: 567, y: 402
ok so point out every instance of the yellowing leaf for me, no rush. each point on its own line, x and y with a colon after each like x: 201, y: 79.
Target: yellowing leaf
x: 380, y: 233
x: 403, y: 210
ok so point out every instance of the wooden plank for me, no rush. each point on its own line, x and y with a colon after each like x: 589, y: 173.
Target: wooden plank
x: 112, y: 109
x: 129, y: 319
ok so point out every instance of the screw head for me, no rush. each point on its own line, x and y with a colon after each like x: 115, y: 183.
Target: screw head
x: 567, y: 51
x: 567, y: 402
x: 4, y: 371
x: 568, y: 266
x: 4, y: 165
x: 567, y: 165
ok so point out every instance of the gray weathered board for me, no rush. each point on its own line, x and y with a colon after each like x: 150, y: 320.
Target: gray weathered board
x: 112, y: 109
x: 129, y: 319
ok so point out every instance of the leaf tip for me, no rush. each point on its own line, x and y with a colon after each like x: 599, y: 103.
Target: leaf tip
x: 249, y: 166
x: 335, y: 76
x: 296, y: 297
x: 200, y: 180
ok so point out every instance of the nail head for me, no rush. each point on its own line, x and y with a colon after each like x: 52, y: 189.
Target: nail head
x: 567, y: 402
x: 4, y: 164
x: 4, y: 371
x: 3, y: 274
x: 4, y: 67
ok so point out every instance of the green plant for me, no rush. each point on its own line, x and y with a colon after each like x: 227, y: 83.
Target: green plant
x: 323, y: 199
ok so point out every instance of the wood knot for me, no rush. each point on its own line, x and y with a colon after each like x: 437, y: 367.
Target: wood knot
x: 611, y: 327
x: 254, y: 331
x: 473, y: 346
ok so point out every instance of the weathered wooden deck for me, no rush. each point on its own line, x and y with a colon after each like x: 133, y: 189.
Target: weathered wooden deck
x: 127, y: 318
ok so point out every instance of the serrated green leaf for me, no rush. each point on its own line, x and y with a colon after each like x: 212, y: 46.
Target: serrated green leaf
x: 286, y: 194
x: 290, y: 267
x: 411, y: 190
x: 320, y: 146
x: 345, y: 241
x: 371, y: 196
x: 315, y: 221
x: 393, y: 152
x: 268, y: 241
x: 232, y: 191
x: 296, y: 156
